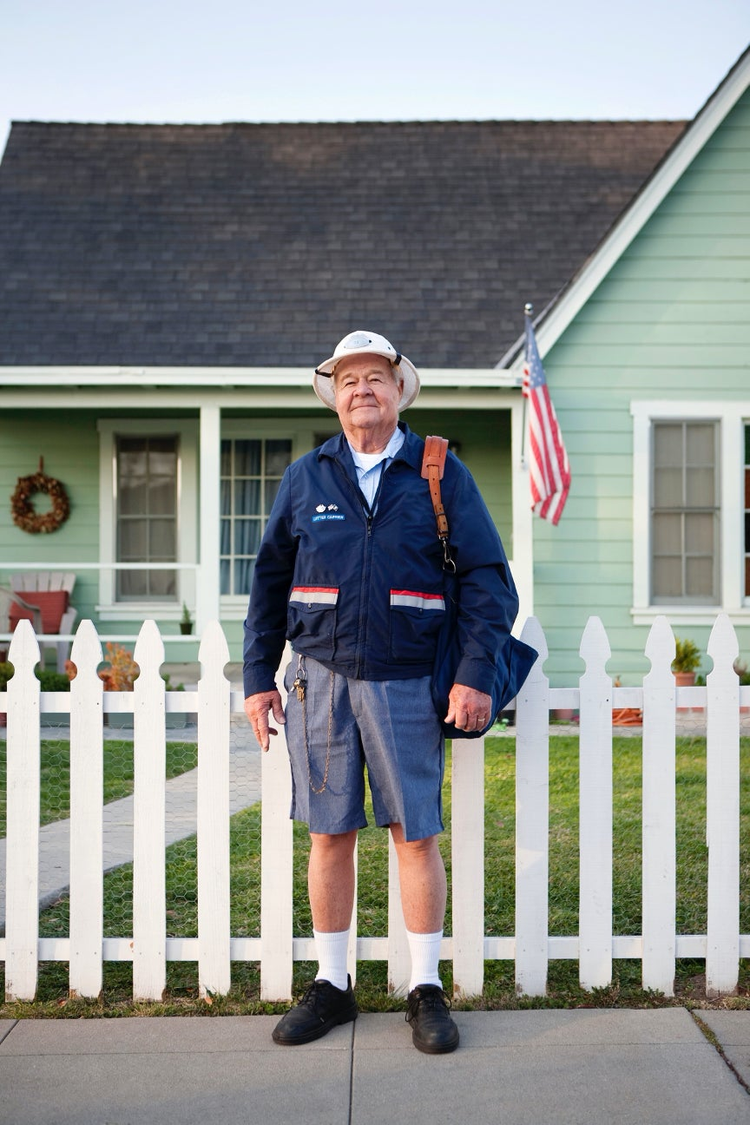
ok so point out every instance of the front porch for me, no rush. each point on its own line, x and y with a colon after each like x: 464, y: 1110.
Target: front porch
x: 196, y: 548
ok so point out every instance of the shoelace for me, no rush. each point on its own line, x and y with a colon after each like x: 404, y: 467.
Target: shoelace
x: 431, y: 1001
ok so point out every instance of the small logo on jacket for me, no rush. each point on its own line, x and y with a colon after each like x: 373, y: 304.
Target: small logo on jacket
x: 327, y: 512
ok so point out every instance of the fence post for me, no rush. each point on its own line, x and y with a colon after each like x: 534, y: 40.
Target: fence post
x: 399, y: 959
x: 276, y: 867
x: 86, y: 821
x: 214, y: 930
x: 22, y: 832
x: 532, y: 821
x: 723, y: 810
x: 659, y: 820
x: 467, y: 862
x: 149, y: 819
x: 595, y: 811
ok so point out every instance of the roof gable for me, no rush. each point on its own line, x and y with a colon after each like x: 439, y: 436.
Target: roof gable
x: 556, y: 317
x: 253, y: 245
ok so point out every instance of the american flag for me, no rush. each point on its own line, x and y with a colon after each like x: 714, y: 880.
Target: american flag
x: 549, y: 468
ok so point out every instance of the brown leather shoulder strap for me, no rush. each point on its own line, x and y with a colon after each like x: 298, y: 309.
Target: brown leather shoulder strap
x: 433, y: 467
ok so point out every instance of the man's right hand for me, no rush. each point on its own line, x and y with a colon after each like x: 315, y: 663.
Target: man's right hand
x: 257, y: 707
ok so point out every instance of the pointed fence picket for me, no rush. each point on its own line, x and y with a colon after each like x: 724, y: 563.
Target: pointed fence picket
x: 86, y: 821
x: 595, y: 787
x: 531, y: 946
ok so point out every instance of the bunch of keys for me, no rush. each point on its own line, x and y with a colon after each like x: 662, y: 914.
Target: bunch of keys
x: 300, y: 683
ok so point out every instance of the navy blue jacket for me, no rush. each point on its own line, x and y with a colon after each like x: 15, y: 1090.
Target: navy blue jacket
x: 362, y: 591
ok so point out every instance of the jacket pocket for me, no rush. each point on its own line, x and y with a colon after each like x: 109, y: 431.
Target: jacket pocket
x: 311, y: 614
x: 415, y: 621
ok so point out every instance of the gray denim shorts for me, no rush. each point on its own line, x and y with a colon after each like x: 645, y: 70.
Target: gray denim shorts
x: 390, y: 726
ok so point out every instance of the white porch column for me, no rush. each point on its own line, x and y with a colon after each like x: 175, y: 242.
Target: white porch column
x: 522, y: 551
x: 208, y: 578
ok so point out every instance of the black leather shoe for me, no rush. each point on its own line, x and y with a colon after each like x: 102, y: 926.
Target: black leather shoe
x: 432, y: 1028
x: 322, y: 1007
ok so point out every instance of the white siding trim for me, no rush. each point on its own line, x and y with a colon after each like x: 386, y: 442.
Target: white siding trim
x: 219, y: 378
x: 731, y: 416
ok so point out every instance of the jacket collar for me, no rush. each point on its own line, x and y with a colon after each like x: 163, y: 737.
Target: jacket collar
x: 337, y: 447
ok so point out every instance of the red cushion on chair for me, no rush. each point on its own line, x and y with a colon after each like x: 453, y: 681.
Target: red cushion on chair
x: 51, y: 603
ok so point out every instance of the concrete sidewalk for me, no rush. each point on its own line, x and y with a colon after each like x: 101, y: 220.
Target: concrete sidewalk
x: 519, y: 1068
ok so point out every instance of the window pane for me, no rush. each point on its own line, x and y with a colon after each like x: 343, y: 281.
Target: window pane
x: 700, y: 444
x: 272, y: 487
x: 667, y: 534
x: 226, y: 537
x: 226, y: 458
x: 162, y: 496
x: 699, y: 576
x: 699, y: 486
x: 133, y: 584
x: 133, y: 495
x: 668, y: 488
x: 162, y: 540
x: 278, y: 456
x: 225, y: 567
x: 246, y: 537
x: 133, y: 540
x: 162, y: 584
x: 667, y: 578
x: 226, y: 498
x: 243, y: 576
x: 247, y: 498
x: 161, y: 462
x: 667, y: 445
x: 247, y: 458
x: 699, y: 534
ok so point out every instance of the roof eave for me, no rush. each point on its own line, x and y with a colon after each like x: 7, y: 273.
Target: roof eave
x: 552, y: 322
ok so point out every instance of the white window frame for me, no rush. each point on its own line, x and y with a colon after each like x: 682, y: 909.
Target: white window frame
x: 186, y: 431
x: 301, y: 432
x: 731, y: 418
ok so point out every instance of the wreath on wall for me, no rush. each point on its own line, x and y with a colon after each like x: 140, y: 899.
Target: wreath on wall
x: 22, y: 509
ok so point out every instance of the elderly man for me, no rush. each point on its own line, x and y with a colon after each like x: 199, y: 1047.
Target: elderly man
x: 350, y: 572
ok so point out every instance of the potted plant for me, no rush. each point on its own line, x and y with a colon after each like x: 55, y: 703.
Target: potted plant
x: 120, y: 674
x: 6, y: 671
x: 186, y: 621
x: 687, y: 659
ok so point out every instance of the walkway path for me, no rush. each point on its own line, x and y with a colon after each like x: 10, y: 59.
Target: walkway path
x: 181, y: 814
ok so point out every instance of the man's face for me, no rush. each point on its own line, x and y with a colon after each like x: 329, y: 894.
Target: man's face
x: 367, y: 395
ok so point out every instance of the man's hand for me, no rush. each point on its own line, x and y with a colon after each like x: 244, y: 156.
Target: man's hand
x: 257, y: 708
x: 468, y: 709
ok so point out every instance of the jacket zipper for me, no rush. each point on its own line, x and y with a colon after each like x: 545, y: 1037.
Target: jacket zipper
x: 369, y: 514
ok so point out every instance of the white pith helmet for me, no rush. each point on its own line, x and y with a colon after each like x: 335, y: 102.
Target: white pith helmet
x: 366, y: 343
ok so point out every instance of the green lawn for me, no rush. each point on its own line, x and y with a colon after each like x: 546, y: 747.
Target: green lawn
x: 499, y: 891
x: 118, y: 774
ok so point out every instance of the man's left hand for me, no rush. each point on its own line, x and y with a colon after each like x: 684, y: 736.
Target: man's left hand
x: 468, y: 709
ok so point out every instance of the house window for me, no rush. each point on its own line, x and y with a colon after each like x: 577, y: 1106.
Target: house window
x: 685, y: 513
x: 146, y: 514
x: 251, y: 472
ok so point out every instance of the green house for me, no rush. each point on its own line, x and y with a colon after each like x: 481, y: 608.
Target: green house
x: 647, y: 354
x: 166, y: 291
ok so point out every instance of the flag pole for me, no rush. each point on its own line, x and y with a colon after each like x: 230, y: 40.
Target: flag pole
x: 528, y: 309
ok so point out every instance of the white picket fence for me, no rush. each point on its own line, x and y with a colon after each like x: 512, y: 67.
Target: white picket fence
x: 532, y: 947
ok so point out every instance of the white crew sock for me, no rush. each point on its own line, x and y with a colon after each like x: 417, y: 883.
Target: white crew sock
x: 332, y: 952
x: 425, y: 954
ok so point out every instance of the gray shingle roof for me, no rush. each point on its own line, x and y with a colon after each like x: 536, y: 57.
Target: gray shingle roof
x: 263, y: 244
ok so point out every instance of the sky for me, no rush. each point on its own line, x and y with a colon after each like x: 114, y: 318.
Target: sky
x: 346, y: 60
